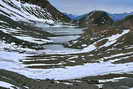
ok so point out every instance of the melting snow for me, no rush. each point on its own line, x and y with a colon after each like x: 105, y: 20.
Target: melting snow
x: 6, y: 85
x: 74, y: 72
x: 34, y: 40
x: 79, y: 71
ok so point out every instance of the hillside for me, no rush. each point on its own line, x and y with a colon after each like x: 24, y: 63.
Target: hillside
x: 127, y: 22
x: 95, y: 18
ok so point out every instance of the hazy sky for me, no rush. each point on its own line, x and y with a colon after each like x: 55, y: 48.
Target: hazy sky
x: 85, y: 6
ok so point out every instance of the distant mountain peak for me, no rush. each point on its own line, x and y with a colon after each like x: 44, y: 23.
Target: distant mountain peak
x: 120, y: 16
x: 95, y: 17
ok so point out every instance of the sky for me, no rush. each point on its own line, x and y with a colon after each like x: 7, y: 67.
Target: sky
x: 79, y: 7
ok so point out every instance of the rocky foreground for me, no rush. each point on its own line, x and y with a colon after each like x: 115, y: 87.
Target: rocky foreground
x: 99, y: 82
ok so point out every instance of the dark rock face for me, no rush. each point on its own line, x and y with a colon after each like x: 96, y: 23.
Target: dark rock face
x: 96, y: 18
x: 57, y: 15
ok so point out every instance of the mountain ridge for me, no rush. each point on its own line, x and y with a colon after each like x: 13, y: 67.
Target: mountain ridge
x: 114, y: 16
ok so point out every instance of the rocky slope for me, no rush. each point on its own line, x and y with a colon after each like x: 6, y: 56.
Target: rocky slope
x: 56, y: 14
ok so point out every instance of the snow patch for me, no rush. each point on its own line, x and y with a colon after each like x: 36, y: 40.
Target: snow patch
x: 34, y: 40
x: 6, y: 85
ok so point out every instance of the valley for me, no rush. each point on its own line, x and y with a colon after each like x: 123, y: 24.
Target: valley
x: 42, y: 48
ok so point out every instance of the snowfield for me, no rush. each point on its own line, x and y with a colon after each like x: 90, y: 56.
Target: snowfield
x: 6, y: 85
x: 74, y: 72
